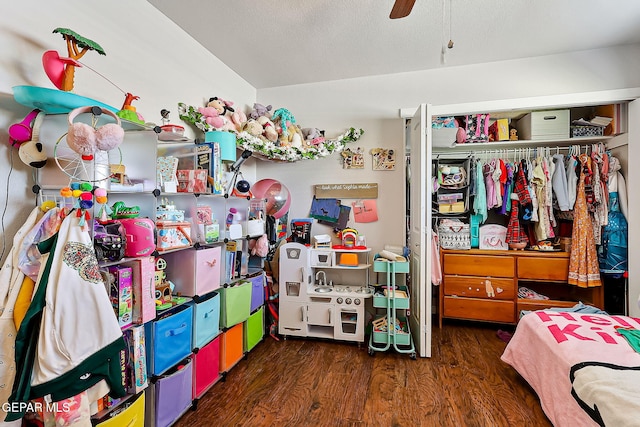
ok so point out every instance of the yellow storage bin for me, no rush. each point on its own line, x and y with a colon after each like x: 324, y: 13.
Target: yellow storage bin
x: 130, y: 414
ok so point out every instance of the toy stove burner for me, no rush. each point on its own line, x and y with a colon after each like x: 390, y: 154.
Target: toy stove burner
x: 353, y: 290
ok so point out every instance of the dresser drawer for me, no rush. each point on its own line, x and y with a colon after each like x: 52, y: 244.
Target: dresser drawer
x: 541, y: 268
x: 479, y: 309
x: 476, y: 287
x: 479, y: 265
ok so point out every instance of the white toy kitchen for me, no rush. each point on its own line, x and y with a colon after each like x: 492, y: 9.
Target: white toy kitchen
x: 323, y: 292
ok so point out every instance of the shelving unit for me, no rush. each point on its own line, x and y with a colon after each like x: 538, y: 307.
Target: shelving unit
x: 187, y: 344
x: 390, y: 327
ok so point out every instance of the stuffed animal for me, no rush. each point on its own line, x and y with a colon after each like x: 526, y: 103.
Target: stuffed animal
x: 212, y: 116
x: 313, y: 136
x: 218, y: 114
x: 260, y: 110
x: 292, y: 137
x: 259, y: 247
x: 254, y: 128
x: 269, y: 128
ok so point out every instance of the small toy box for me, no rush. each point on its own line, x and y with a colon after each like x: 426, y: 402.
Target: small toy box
x: 173, y: 235
x: 144, y: 304
x: 136, y: 362
x: 192, y: 180
x: 121, y: 293
x: 140, y: 234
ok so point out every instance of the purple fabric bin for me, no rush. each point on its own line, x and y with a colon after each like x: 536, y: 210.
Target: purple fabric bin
x: 173, y: 394
x: 257, y: 291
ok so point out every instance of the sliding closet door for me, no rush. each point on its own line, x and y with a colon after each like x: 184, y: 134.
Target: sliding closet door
x: 633, y: 178
x: 420, y: 231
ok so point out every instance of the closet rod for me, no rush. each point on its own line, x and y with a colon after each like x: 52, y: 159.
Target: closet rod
x: 452, y: 153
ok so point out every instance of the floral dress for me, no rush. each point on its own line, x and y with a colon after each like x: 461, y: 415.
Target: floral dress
x: 584, y: 270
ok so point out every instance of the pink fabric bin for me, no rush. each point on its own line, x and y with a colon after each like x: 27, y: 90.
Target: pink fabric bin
x: 206, y: 369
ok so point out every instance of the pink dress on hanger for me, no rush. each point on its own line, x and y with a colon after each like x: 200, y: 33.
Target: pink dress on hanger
x: 584, y: 270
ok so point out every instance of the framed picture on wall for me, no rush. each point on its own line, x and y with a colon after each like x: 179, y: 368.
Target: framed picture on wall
x: 384, y: 159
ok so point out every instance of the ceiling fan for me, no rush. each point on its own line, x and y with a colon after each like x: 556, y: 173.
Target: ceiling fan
x: 401, y: 8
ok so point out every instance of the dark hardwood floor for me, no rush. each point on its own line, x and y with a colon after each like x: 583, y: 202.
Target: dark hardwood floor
x: 300, y: 382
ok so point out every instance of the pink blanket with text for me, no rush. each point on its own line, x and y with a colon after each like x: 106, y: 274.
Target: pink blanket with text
x: 546, y: 344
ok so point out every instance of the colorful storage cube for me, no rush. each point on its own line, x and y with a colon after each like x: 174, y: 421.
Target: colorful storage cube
x: 231, y: 347
x: 235, y: 303
x: 206, y: 367
x: 194, y: 271
x: 206, y: 318
x: 254, y: 329
x: 257, y: 291
x: 169, y: 338
x: 133, y: 414
x: 170, y: 396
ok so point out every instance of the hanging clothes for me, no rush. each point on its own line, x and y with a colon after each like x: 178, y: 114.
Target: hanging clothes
x: 515, y: 232
x: 436, y: 267
x: 11, y: 279
x: 617, y: 184
x: 480, y: 201
x: 69, y: 340
x: 539, y: 182
x: 584, y: 271
x: 489, y: 183
x: 572, y: 177
x: 559, y: 183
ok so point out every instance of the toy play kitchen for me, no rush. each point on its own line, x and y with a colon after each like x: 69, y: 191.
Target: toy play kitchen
x: 323, y: 291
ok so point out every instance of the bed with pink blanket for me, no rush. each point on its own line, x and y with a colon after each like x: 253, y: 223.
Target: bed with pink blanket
x: 584, y: 371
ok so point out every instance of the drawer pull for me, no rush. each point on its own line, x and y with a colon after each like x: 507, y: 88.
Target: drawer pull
x: 177, y: 331
x: 550, y: 117
x: 208, y: 313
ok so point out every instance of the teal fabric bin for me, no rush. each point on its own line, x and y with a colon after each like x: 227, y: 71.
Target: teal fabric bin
x: 235, y: 304
x: 206, y: 318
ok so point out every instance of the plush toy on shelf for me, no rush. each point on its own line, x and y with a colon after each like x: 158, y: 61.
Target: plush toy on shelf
x: 260, y: 110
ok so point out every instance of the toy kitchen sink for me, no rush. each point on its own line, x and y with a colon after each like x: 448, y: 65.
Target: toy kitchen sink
x: 320, y: 297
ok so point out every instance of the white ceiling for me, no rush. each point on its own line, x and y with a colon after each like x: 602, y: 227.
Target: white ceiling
x: 274, y: 43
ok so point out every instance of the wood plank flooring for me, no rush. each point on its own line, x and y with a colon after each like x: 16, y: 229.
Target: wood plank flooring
x: 300, y: 382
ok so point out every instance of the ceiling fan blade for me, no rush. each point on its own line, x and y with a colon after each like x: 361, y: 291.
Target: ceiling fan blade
x: 401, y: 8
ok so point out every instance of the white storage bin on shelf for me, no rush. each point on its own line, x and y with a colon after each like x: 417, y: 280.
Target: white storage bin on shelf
x: 550, y: 124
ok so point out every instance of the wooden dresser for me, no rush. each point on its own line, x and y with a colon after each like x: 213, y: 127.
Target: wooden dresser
x: 483, y: 285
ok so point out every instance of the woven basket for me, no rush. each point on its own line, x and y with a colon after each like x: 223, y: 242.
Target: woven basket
x: 454, y: 235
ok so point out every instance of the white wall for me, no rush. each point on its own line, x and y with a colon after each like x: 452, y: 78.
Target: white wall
x: 146, y: 54
x: 151, y: 57
x: 373, y: 104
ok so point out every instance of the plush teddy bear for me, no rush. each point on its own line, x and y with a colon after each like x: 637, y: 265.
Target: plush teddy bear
x: 269, y: 128
x: 253, y: 127
x: 313, y: 136
x: 292, y: 138
x: 260, y: 110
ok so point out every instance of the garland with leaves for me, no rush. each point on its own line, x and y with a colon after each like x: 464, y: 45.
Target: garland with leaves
x: 269, y: 149
x: 272, y: 151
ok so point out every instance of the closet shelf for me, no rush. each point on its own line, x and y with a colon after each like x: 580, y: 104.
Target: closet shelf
x: 522, y: 143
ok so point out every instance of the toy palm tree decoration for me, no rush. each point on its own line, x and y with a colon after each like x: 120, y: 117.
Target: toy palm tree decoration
x: 61, y: 71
